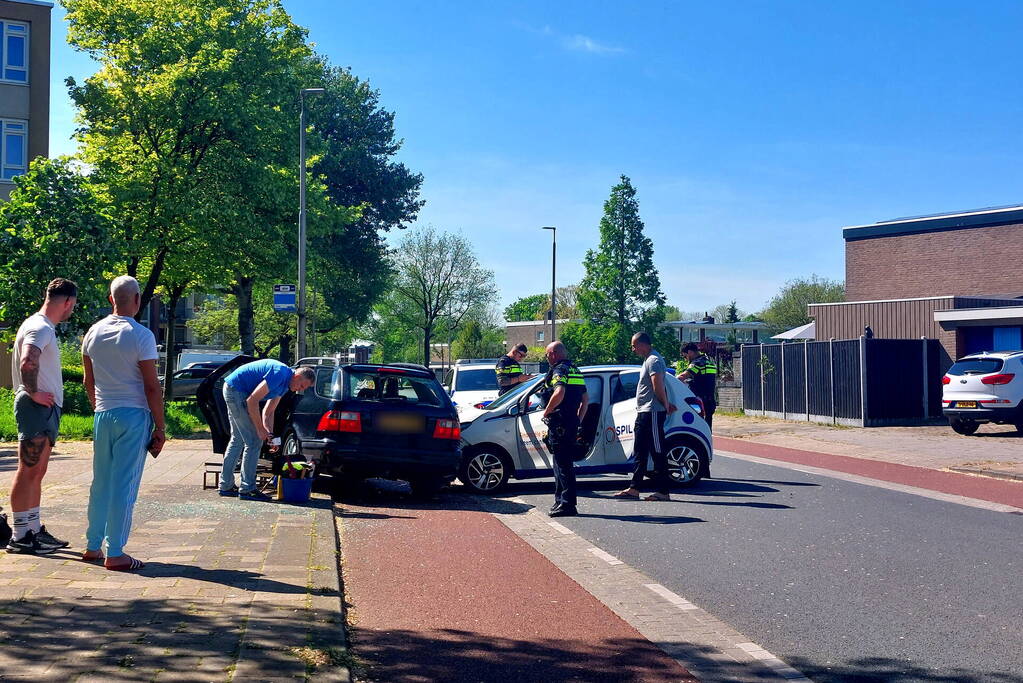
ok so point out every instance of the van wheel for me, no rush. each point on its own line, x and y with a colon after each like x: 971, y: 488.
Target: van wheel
x: 964, y: 427
x: 687, y: 461
x: 485, y: 470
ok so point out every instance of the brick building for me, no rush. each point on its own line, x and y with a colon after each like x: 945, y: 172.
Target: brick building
x: 952, y: 277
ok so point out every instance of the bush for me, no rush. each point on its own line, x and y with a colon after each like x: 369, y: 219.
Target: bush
x: 76, y: 401
x: 72, y: 373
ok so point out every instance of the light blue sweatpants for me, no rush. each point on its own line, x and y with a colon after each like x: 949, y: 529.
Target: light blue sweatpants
x: 120, y: 437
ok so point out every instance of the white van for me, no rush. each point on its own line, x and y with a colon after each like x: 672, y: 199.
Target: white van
x: 505, y: 439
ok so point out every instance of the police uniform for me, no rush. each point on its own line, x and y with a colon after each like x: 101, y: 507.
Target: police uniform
x: 562, y: 426
x: 705, y: 374
x: 508, y: 373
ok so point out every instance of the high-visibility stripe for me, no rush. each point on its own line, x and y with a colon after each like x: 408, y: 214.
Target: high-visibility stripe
x: 509, y: 370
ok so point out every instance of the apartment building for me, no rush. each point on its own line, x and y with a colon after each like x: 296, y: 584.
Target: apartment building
x: 24, y: 87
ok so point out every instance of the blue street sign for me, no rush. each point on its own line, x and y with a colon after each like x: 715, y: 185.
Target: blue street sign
x: 284, y: 298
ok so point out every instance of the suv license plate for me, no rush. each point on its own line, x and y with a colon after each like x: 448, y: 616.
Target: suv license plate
x: 966, y: 404
x: 399, y: 423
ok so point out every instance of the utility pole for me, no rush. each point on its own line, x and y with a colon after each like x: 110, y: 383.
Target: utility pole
x: 300, y: 347
x: 554, y: 266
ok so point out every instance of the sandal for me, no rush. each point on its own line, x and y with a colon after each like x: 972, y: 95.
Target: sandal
x: 97, y: 558
x: 132, y: 566
x: 627, y: 494
x: 658, y: 496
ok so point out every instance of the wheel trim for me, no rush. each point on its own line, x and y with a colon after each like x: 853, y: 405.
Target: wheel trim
x: 291, y: 446
x: 486, y: 471
x: 683, y: 464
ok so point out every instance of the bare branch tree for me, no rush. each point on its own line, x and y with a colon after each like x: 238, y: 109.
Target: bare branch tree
x: 440, y: 277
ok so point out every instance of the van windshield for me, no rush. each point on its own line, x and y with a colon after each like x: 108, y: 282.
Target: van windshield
x: 484, y: 379
x: 976, y: 366
x: 513, y: 395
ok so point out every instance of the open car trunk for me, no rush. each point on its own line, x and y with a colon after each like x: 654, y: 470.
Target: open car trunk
x: 210, y: 396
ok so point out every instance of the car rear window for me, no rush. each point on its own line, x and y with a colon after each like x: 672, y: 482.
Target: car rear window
x: 976, y: 366
x: 484, y: 379
x: 387, y: 387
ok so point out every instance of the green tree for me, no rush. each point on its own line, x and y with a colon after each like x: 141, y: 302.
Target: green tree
x: 527, y: 308
x: 621, y: 284
x: 788, y: 308
x: 438, y: 280
x: 54, y: 225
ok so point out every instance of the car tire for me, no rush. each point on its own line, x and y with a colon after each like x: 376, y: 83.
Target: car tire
x: 291, y: 445
x: 485, y: 469
x: 964, y: 427
x: 687, y: 461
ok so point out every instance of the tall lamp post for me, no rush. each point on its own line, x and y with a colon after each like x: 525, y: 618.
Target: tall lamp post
x: 300, y: 337
x: 554, y: 265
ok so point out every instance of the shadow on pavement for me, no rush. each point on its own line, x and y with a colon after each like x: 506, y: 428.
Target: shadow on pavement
x: 878, y: 669
x: 9, y: 460
x: 377, y: 493
x: 140, y: 639
x: 456, y: 656
x: 768, y: 481
x: 644, y: 519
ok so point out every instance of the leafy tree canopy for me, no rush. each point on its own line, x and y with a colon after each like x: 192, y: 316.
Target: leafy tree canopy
x: 788, y: 308
x: 53, y: 226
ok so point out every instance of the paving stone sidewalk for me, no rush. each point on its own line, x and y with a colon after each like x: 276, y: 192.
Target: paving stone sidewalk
x: 996, y: 450
x: 233, y: 590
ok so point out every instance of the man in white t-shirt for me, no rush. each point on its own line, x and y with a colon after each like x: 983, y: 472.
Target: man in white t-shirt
x: 119, y: 356
x: 37, y: 402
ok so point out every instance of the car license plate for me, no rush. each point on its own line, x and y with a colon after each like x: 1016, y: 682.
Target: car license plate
x: 400, y: 423
x: 966, y: 404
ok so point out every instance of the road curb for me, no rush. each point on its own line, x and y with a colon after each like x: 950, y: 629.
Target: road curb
x: 983, y: 472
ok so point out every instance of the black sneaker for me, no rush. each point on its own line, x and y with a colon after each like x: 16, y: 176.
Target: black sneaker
x: 29, y: 544
x: 46, y: 538
x: 228, y: 492
x: 254, y: 495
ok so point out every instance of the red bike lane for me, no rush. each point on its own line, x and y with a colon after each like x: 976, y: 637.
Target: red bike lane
x: 969, y: 486
x: 440, y: 594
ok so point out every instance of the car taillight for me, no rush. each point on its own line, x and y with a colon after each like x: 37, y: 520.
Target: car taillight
x: 1003, y: 378
x: 697, y: 403
x: 340, y: 421
x: 946, y: 379
x: 447, y: 429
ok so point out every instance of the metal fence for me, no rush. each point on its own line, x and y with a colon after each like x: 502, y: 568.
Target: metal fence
x: 859, y: 382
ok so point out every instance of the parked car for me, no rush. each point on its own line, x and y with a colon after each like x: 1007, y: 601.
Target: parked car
x: 504, y: 440
x: 359, y: 421
x: 186, y: 382
x: 472, y: 384
x: 984, y: 387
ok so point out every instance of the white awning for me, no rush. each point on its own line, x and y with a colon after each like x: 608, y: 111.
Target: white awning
x: 807, y: 331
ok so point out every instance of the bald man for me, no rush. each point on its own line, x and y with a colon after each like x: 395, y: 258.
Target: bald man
x: 120, y: 356
x: 565, y: 410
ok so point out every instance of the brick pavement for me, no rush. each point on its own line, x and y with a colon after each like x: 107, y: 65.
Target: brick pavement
x: 233, y: 590
x: 995, y: 448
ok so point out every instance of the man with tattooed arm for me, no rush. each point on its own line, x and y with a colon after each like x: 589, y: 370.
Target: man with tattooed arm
x: 37, y: 405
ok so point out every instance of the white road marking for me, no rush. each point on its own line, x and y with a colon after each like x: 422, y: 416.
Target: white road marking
x: 559, y: 527
x: 671, y: 597
x: 607, y: 557
x: 878, y: 483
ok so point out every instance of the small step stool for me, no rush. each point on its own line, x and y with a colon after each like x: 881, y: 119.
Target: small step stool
x: 214, y: 468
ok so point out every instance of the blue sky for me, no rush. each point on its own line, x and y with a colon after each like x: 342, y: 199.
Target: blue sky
x: 753, y: 131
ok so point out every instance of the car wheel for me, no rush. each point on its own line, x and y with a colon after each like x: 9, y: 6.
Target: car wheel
x: 292, y: 448
x: 485, y: 470
x: 964, y: 427
x: 687, y: 461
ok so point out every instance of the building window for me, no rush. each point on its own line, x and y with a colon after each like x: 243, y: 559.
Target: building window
x: 13, y: 148
x: 539, y: 335
x: 13, y: 52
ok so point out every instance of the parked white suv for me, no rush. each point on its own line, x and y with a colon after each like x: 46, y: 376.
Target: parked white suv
x: 984, y: 387
x: 505, y: 439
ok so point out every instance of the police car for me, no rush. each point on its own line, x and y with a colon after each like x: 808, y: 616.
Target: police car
x: 504, y: 440
x: 471, y: 383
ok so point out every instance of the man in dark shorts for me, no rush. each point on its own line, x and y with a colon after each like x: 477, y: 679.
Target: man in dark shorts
x: 37, y: 403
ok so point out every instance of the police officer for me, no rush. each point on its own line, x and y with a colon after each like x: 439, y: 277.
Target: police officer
x: 702, y: 374
x: 509, y: 374
x: 565, y: 409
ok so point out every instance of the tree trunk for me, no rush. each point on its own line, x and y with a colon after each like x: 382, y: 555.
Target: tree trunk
x: 169, y: 340
x: 427, y: 333
x: 284, y: 353
x: 242, y: 290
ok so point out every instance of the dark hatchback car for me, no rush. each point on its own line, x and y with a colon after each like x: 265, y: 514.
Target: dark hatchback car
x: 359, y: 421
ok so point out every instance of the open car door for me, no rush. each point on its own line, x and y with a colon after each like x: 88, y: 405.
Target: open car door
x: 210, y: 396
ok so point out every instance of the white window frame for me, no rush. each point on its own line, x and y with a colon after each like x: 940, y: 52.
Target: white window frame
x: 4, y: 55
x: 3, y: 147
x: 539, y: 335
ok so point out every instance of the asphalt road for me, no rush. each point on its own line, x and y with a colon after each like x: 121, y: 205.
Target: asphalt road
x: 844, y: 581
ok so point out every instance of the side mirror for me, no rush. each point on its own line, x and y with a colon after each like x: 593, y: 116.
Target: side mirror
x: 514, y: 410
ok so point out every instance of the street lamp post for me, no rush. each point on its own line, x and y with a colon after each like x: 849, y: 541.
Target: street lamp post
x: 300, y: 337
x: 554, y: 265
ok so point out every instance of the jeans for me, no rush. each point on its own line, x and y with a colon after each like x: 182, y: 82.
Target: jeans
x: 244, y: 442
x: 120, y: 438
x: 649, y: 443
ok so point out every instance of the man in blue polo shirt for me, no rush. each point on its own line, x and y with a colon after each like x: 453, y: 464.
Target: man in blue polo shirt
x: 244, y: 389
